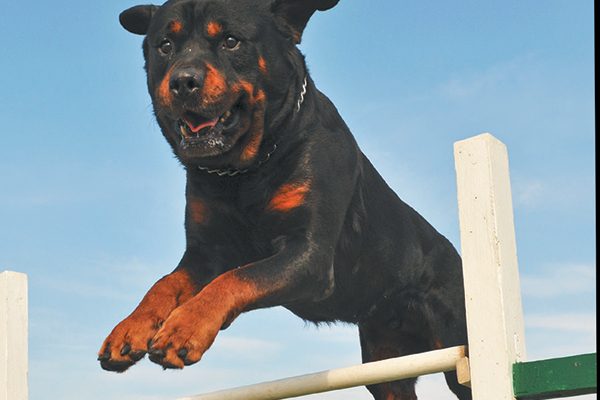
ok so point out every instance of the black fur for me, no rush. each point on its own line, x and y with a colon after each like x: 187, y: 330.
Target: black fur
x: 348, y: 249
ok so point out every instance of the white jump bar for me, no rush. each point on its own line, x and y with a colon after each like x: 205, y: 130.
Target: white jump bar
x: 358, y: 375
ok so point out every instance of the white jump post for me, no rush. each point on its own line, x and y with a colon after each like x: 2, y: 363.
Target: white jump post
x: 492, y: 291
x: 13, y: 336
x: 342, y: 378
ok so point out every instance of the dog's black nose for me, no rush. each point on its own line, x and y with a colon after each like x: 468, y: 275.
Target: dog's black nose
x: 185, y: 81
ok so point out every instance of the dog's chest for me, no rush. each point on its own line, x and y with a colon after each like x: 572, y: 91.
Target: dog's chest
x: 240, y: 222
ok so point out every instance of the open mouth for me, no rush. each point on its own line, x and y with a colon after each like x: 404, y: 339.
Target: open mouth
x: 195, y: 128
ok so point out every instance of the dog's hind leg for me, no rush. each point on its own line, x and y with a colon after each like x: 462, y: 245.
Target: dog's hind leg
x: 455, y: 337
x: 378, y: 343
x: 451, y: 331
x: 462, y: 392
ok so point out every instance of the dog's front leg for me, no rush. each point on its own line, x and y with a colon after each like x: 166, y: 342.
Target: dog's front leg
x: 290, y: 275
x: 128, y: 341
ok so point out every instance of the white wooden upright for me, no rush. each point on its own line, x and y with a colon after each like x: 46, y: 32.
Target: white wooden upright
x: 13, y: 336
x: 491, y: 276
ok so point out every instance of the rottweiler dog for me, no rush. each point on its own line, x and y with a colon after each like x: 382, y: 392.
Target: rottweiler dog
x: 283, y: 209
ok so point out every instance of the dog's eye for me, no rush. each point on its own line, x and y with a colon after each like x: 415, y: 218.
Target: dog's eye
x: 165, y: 47
x: 231, y: 43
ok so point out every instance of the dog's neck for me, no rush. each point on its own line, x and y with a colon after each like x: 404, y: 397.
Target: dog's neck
x: 237, y: 171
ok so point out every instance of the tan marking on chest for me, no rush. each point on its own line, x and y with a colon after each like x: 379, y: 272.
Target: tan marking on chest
x: 197, y: 210
x: 289, y: 196
x: 262, y: 65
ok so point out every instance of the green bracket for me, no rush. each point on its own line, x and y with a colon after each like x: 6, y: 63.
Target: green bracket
x: 556, y: 377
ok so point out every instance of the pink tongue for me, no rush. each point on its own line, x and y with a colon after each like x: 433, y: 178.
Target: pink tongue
x: 197, y: 128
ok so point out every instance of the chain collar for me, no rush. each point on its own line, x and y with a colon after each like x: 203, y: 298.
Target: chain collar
x: 302, y: 94
x: 235, y: 171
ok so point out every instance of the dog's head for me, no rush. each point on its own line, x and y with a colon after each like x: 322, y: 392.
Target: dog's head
x: 221, y: 71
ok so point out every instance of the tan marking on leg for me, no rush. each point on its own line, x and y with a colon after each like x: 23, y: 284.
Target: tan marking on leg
x: 194, y: 326
x: 143, y: 323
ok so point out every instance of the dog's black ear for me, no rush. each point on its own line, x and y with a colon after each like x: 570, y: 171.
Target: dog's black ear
x: 137, y: 19
x: 296, y: 13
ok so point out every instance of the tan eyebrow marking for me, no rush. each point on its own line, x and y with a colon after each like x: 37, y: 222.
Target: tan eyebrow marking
x: 175, y: 26
x: 213, y: 28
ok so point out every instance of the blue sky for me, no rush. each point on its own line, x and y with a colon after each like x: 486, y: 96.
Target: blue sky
x: 91, y: 199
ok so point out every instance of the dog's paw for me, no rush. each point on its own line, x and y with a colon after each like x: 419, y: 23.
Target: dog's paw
x: 182, y: 340
x: 127, y: 343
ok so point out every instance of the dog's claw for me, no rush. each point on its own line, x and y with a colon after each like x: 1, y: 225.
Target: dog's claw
x: 105, y: 356
x: 156, y: 355
x: 126, y: 349
x: 182, y: 353
x: 115, y: 366
x: 137, y: 355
